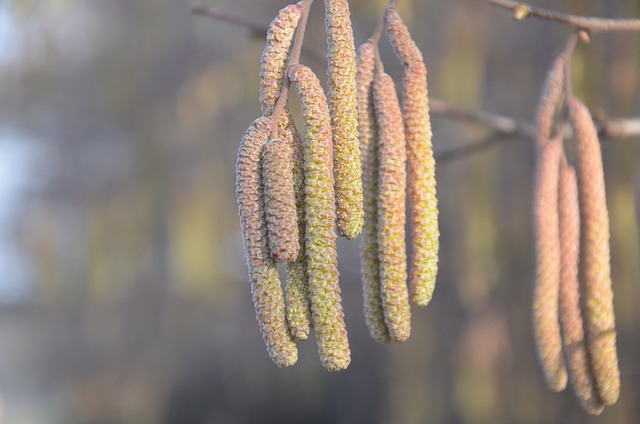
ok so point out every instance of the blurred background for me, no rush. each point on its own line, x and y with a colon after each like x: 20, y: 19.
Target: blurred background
x: 123, y: 289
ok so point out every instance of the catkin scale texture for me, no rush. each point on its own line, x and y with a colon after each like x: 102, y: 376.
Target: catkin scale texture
x: 279, y: 200
x: 344, y: 118
x: 265, y: 283
x: 550, y: 99
x: 573, y: 338
x: 595, y: 256
x: 392, y: 179
x: 370, y: 265
x: 320, y: 238
x: 422, y: 179
x: 546, y: 294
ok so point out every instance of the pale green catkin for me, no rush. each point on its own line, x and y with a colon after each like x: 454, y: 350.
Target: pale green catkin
x: 546, y: 327
x: 370, y: 265
x: 422, y: 167
x: 265, y: 283
x: 344, y: 118
x: 392, y: 179
x: 320, y: 239
x: 595, y: 257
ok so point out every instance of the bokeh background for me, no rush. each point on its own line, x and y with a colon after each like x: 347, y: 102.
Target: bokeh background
x: 123, y: 290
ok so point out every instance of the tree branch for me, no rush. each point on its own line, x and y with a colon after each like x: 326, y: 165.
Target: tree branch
x: 524, y: 10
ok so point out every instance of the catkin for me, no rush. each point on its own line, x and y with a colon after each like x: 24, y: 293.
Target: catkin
x: 392, y: 179
x: 550, y: 98
x: 344, y: 118
x: 370, y: 265
x: 422, y: 179
x: 595, y: 257
x: 276, y: 56
x: 265, y: 283
x: 576, y: 354
x: 320, y: 239
x: 545, y: 303
x: 279, y: 200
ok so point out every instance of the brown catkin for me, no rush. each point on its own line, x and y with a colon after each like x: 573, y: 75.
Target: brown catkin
x: 550, y: 99
x: 344, y: 118
x: 576, y: 354
x: 422, y: 179
x: 370, y: 265
x: 275, y: 56
x: 545, y: 299
x: 265, y: 283
x: 595, y: 256
x: 392, y: 179
x: 320, y: 239
x: 279, y: 200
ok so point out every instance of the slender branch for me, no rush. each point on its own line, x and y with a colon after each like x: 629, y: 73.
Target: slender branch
x: 523, y: 10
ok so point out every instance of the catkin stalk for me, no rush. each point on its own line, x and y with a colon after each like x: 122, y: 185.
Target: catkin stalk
x: 577, y: 357
x: 595, y: 257
x: 320, y: 239
x: 550, y: 99
x: 265, y: 283
x: 370, y: 265
x: 344, y: 118
x: 546, y: 294
x: 392, y: 179
x: 422, y: 179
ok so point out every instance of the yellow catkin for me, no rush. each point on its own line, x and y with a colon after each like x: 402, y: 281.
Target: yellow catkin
x: 595, y: 256
x: 370, y: 265
x: 550, y: 99
x: 320, y: 239
x: 279, y: 200
x: 576, y: 354
x: 344, y: 118
x: 546, y: 294
x: 392, y: 179
x: 422, y: 179
x: 296, y: 290
x: 265, y: 283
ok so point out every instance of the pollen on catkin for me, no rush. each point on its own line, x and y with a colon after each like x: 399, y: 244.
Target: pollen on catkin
x: 550, y: 99
x: 546, y: 293
x: 344, y: 118
x: 595, y: 256
x: 263, y: 275
x: 573, y: 336
x: 279, y: 200
x: 392, y: 178
x: 320, y: 239
x: 369, y: 263
x: 422, y: 179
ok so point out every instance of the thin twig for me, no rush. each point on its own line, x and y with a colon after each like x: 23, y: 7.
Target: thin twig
x: 584, y: 22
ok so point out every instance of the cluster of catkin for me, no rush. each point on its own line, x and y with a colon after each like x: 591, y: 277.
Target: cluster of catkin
x: 574, y: 323
x: 395, y: 138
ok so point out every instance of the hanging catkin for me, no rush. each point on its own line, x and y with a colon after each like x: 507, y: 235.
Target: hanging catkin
x: 392, y: 179
x: 575, y: 347
x: 265, y: 283
x: 422, y: 180
x: 545, y: 303
x: 370, y: 265
x: 279, y: 200
x: 344, y: 118
x: 595, y: 257
x: 324, y: 291
x: 550, y: 100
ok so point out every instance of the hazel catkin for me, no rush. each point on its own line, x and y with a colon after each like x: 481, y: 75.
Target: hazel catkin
x: 263, y: 275
x: 391, y: 208
x: 369, y: 263
x: 573, y: 338
x: 545, y: 299
x: 344, y: 118
x: 320, y: 239
x: 595, y: 256
x: 550, y: 99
